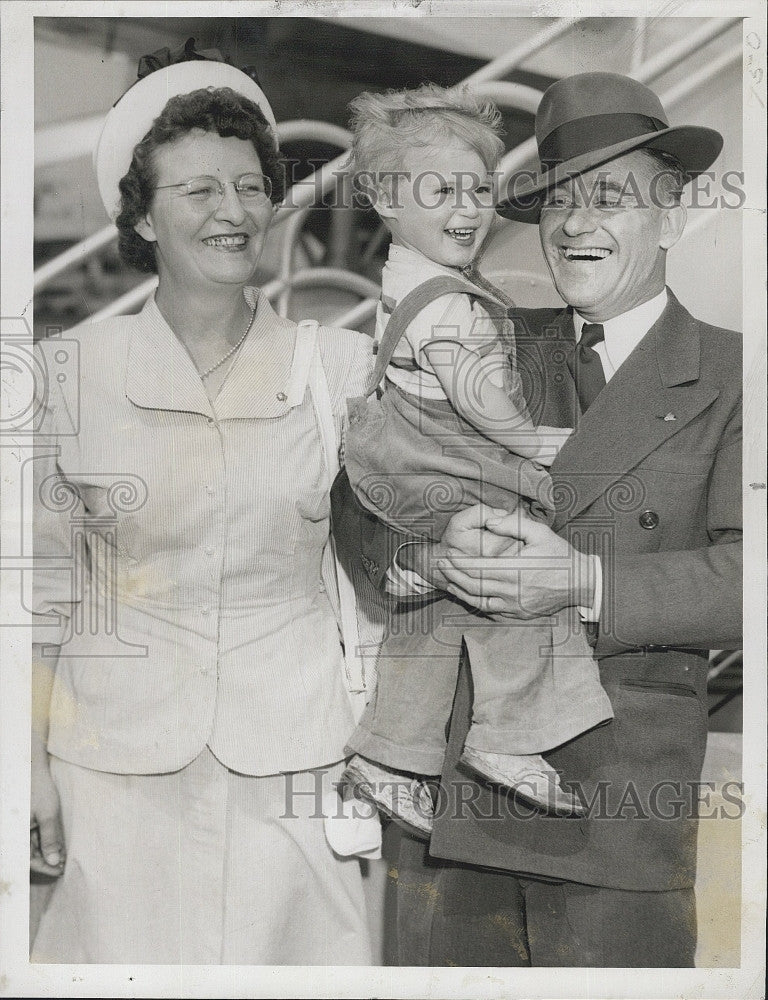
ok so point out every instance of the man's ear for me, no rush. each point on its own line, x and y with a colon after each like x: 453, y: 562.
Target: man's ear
x: 145, y: 229
x: 672, y: 225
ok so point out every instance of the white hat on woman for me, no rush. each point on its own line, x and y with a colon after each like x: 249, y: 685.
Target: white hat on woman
x: 131, y: 117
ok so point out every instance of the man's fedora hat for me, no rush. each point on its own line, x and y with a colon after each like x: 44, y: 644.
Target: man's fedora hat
x: 587, y: 120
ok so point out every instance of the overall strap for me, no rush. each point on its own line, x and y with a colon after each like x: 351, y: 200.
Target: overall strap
x: 406, y: 311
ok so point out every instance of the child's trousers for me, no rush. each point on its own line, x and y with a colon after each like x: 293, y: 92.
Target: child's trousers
x: 535, y: 682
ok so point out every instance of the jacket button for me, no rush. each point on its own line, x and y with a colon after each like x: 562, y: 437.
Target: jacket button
x: 649, y: 520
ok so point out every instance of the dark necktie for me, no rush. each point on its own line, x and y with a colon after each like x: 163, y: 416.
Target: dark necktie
x: 588, y: 371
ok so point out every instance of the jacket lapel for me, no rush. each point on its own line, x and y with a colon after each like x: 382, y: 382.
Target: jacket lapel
x: 627, y: 420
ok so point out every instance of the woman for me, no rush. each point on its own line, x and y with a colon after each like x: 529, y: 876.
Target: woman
x: 197, y: 704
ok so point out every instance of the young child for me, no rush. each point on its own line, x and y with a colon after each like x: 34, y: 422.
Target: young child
x: 450, y: 430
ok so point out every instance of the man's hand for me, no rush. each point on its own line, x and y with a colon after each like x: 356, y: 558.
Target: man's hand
x: 542, y: 575
x: 465, y: 535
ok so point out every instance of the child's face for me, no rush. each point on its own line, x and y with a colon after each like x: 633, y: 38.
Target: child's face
x: 442, y: 206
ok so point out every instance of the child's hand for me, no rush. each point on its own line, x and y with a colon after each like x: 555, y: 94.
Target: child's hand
x: 466, y: 534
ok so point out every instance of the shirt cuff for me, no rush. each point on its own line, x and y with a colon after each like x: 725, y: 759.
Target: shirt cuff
x: 592, y: 614
x: 405, y: 583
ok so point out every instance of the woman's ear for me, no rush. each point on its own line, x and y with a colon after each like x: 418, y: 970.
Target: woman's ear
x: 145, y: 229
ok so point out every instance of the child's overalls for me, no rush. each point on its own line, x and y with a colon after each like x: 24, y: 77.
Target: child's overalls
x: 414, y: 462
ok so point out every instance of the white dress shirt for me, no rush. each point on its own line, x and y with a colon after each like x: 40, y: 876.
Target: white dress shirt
x: 622, y: 334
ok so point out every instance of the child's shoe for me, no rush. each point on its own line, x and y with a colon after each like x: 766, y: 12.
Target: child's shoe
x: 529, y: 776
x: 401, y: 796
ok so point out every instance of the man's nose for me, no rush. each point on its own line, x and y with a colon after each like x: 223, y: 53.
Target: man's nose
x: 579, y: 219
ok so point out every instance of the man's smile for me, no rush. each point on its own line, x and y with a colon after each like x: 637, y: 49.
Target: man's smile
x: 585, y: 253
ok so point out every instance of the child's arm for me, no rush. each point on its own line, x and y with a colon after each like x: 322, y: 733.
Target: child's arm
x: 474, y: 385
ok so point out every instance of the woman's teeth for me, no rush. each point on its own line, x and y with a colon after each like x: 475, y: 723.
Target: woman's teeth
x: 226, y: 241
x: 585, y: 253
x: 461, y: 235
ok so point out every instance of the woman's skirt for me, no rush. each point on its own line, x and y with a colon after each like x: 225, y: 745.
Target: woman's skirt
x: 202, y: 866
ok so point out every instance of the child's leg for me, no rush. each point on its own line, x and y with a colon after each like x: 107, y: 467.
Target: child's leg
x: 536, y: 685
x: 404, y: 725
x: 532, y: 693
x: 403, y: 730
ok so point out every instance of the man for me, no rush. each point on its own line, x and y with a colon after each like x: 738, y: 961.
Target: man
x: 646, y: 542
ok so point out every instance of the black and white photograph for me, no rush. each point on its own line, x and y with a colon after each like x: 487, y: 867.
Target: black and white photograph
x: 297, y: 706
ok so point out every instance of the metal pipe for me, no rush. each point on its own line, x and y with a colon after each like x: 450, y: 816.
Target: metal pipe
x: 73, y: 255
x: 67, y: 141
x: 510, y: 60
x: 638, y: 45
x: 291, y: 131
x: 718, y: 668
x: 510, y: 95
x: 673, y: 54
x: 360, y: 313
x: 335, y: 277
x: 705, y: 74
x: 302, y: 194
x: 293, y: 228
x: 136, y: 297
x: 298, y: 129
x: 313, y: 277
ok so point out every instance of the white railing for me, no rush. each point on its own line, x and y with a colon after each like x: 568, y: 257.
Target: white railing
x: 305, y: 194
x: 314, y: 277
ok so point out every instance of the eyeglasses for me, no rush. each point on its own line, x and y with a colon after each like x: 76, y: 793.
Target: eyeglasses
x: 255, y: 189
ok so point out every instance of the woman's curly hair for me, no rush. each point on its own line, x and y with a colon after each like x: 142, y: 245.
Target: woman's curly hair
x: 220, y: 110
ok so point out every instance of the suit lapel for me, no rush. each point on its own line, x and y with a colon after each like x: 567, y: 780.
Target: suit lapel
x: 652, y: 396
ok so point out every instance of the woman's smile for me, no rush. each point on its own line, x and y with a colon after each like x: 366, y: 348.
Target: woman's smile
x: 228, y: 242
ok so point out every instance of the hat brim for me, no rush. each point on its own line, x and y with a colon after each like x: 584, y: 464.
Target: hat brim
x: 695, y: 146
x: 131, y: 117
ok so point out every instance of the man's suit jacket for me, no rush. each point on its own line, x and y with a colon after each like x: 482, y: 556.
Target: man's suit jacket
x: 651, y: 481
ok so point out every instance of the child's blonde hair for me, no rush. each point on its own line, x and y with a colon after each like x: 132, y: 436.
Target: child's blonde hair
x: 384, y: 125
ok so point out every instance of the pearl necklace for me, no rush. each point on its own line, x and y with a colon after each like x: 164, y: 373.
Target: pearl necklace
x: 232, y: 350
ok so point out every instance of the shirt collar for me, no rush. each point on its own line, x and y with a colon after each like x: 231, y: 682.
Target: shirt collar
x: 409, y: 269
x: 623, y: 333
x: 414, y: 263
x: 161, y: 375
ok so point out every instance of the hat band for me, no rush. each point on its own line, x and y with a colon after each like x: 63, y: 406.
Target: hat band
x: 594, y: 132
